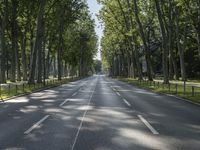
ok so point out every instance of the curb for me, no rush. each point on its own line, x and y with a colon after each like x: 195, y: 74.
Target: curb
x: 169, y: 95
x: 183, y: 99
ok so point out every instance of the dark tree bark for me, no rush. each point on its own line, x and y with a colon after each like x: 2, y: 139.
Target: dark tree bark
x: 24, y: 58
x: 164, y: 42
x: 142, y: 35
x: 38, y: 41
x: 172, y: 60
x: 24, y: 47
x: 60, y: 42
x: 3, y: 24
x: 14, y: 37
x: 180, y: 47
x: 48, y: 58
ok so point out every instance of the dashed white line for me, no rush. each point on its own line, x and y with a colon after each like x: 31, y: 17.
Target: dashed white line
x: 118, y: 94
x: 148, y: 125
x: 74, y: 94
x: 114, y: 89
x: 37, y: 124
x: 64, y: 102
x: 127, y: 103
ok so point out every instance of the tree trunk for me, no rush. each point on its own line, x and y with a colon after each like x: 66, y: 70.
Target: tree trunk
x: 138, y: 64
x: 14, y: 41
x: 60, y: 43
x: 38, y: 41
x: 180, y: 48
x: 198, y: 28
x: 3, y: 24
x: 23, y: 47
x: 130, y: 40
x: 24, y: 58
x: 44, y: 60
x: 164, y: 42
x: 142, y: 35
x: 48, y: 60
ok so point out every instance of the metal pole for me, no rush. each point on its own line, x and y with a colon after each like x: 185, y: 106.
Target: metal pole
x: 23, y: 87
x: 9, y: 89
x: 0, y: 91
x: 16, y: 88
x: 176, y: 88
x: 184, y: 86
x: 193, y: 91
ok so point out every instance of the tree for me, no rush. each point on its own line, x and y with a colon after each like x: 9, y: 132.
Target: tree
x: 135, y: 30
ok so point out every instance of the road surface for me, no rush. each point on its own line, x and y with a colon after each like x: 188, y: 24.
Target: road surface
x: 98, y: 113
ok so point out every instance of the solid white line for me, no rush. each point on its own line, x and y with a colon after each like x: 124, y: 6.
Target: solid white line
x: 36, y: 125
x: 148, y: 125
x: 80, y: 126
x: 64, y: 102
x: 127, y: 103
x: 74, y: 94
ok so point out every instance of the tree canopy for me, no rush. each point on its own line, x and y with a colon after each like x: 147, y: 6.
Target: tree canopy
x: 151, y: 37
x: 44, y: 38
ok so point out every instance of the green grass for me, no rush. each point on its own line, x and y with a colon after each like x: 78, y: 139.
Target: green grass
x: 20, y: 89
x: 173, y: 89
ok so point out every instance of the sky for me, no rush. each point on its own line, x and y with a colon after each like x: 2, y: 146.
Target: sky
x: 94, y: 8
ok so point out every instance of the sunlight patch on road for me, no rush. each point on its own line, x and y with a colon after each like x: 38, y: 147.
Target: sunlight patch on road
x: 48, y: 100
x: 76, y: 99
x: 85, y: 107
x: 18, y: 100
x: 140, y: 138
x: 28, y: 109
x: 144, y: 92
x: 107, y: 82
x: 87, y: 119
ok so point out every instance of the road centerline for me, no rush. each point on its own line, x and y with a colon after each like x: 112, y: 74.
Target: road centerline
x: 64, y: 102
x: 36, y: 125
x: 74, y: 94
x: 148, y: 125
x: 83, y: 117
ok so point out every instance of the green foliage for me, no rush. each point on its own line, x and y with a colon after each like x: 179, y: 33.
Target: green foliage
x: 67, y: 26
x: 122, y: 35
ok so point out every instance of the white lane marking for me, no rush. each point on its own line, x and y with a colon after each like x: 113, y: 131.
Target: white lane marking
x: 148, y: 125
x: 127, y: 103
x: 118, y: 94
x: 81, y: 124
x: 74, y: 94
x: 114, y: 89
x: 64, y: 102
x: 37, y: 124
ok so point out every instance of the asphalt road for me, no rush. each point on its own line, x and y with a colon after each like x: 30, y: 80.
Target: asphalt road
x: 98, y: 113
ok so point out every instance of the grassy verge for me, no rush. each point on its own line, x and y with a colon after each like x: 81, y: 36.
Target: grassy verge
x: 190, y: 93
x: 15, y: 90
